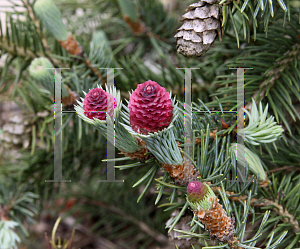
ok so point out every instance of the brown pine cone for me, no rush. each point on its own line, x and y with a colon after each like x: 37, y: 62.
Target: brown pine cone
x: 219, y: 225
x: 200, y: 28
x: 205, y: 206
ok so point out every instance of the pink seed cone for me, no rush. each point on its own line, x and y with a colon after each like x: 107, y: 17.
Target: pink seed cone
x: 196, y: 191
x: 150, y: 108
x: 97, y: 102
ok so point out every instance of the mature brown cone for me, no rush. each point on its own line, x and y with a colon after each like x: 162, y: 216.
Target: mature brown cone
x: 182, y: 174
x: 139, y: 154
x: 72, y: 46
x: 219, y: 225
x: 200, y: 28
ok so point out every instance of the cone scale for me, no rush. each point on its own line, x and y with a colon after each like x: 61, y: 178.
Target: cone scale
x: 93, y: 109
x: 206, y: 207
x: 182, y: 174
x: 150, y: 108
x: 200, y: 28
x: 96, y: 104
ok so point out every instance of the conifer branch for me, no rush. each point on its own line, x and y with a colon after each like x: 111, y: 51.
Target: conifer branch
x: 19, y: 51
x: 286, y: 168
x: 278, y: 209
x: 275, y: 73
x: 94, y: 70
x: 38, y: 27
x: 288, y: 218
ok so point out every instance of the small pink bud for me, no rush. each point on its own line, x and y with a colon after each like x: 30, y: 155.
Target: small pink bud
x: 196, y: 191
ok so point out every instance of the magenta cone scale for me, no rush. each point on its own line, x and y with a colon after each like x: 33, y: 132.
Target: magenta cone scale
x: 150, y: 108
x: 95, y: 104
x: 196, y: 191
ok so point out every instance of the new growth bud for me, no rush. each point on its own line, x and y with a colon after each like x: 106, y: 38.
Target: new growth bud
x: 40, y: 70
x: 50, y: 16
x: 200, y: 196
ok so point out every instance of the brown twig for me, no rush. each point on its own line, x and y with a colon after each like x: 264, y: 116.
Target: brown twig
x: 288, y: 218
x: 278, y: 209
x: 287, y: 168
x: 4, y: 213
x: 211, y: 134
x: 94, y: 70
x: 47, y: 48
x: 139, y: 28
x: 74, y: 48
x: 19, y: 51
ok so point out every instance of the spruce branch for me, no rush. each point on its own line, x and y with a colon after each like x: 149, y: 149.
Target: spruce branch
x: 285, y: 168
x: 287, y: 217
x: 260, y: 129
x: 50, y: 16
x: 20, y: 51
x: 276, y: 207
x: 38, y: 28
x: 275, y: 73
